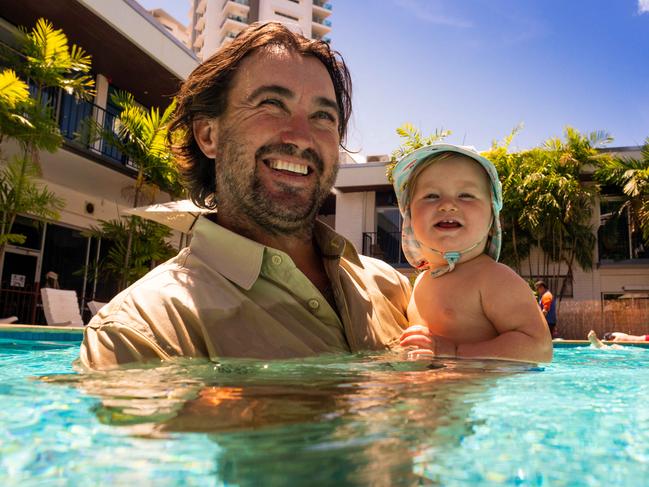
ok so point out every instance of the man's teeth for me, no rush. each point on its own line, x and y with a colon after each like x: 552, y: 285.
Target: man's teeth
x: 288, y: 166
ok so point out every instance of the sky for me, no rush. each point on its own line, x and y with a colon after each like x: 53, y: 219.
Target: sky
x: 479, y: 68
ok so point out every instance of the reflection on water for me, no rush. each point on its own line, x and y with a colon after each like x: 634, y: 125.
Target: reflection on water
x: 345, y: 420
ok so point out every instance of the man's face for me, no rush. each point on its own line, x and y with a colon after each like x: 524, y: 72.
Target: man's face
x: 277, y: 151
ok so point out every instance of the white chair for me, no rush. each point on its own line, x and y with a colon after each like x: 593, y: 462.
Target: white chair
x: 95, y: 306
x: 61, y: 307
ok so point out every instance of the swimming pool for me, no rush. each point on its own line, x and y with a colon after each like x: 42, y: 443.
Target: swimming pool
x: 336, y: 420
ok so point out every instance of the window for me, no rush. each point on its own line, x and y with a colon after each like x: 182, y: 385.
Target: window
x: 618, y: 238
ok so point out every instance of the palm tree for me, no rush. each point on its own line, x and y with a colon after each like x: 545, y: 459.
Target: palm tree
x: 48, y: 61
x: 412, y: 139
x: 141, y: 135
x: 631, y: 176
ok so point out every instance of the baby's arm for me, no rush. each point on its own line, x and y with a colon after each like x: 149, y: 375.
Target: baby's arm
x: 509, y: 304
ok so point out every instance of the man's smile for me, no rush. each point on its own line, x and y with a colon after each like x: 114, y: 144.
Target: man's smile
x: 291, y: 167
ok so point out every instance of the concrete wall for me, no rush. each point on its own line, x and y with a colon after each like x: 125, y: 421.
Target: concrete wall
x: 354, y: 215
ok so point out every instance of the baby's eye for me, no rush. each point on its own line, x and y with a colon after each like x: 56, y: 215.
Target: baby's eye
x: 431, y: 196
x: 467, y: 196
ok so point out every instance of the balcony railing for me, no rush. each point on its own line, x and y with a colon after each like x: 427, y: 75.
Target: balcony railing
x: 240, y: 2
x: 238, y: 18
x: 322, y: 21
x: 385, y: 246
x: 320, y: 3
x: 76, y: 120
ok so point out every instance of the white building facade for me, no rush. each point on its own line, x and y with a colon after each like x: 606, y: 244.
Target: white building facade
x: 215, y: 22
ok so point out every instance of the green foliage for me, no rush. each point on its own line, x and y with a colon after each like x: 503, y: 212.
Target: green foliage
x: 20, y: 194
x: 631, y: 177
x: 148, y: 247
x: 412, y: 139
x: 52, y: 62
x: 29, y: 119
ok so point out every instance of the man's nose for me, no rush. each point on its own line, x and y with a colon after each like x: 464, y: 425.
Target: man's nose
x: 298, y: 132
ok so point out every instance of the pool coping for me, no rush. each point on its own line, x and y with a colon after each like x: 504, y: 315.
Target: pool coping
x: 75, y: 333
x: 45, y: 333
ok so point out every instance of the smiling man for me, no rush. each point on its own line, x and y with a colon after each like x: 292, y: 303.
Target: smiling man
x: 257, y: 134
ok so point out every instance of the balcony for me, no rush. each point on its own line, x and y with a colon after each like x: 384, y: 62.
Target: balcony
x: 323, y: 8
x: 236, y: 7
x: 385, y: 246
x: 73, y: 117
x: 200, y: 8
x: 325, y: 22
x: 237, y: 19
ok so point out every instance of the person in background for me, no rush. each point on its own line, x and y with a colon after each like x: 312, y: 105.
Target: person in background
x: 548, y: 306
x: 51, y: 280
x: 618, y: 336
x: 464, y: 304
x: 257, y: 133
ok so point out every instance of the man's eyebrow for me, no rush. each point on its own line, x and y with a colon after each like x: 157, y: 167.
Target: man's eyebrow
x: 285, y: 92
x: 274, y: 89
x: 327, y: 102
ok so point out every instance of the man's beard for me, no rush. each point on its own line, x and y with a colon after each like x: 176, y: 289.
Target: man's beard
x: 239, y: 189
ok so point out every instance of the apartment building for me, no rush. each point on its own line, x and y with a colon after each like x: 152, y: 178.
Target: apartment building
x: 366, y: 212
x: 179, y: 30
x: 132, y: 52
x: 215, y: 22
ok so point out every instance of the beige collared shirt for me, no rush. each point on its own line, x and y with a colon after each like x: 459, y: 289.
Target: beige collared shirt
x: 228, y: 296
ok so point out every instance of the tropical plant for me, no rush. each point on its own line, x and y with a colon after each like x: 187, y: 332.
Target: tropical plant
x: 148, y: 247
x: 412, y: 139
x: 631, y: 177
x: 27, y: 117
x: 546, y: 204
x: 141, y: 135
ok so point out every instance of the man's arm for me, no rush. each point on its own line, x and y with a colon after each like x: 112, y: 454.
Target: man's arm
x: 510, y: 306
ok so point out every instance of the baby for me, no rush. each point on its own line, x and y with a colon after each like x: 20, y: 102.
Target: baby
x: 464, y: 303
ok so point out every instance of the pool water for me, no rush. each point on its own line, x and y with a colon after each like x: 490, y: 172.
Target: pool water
x: 334, y: 420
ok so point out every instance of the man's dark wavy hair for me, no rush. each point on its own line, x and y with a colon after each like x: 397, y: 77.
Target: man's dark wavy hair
x: 205, y: 94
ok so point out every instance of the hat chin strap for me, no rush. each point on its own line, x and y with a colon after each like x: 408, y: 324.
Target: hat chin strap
x: 452, y: 257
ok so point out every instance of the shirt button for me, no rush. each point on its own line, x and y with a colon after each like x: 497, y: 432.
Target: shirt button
x: 313, y: 304
x: 276, y: 259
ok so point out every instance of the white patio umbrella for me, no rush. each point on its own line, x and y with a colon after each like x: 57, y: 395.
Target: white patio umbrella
x: 177, y: 215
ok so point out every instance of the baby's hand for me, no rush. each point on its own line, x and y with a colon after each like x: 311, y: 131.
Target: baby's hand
x: 417, y: 336
x: 427, y: 345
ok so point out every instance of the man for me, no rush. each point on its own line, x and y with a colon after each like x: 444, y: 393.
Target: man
x: 548, y: 305
x: 256, y: 134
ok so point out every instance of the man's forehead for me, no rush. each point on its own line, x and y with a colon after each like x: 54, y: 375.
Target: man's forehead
x: 282, y: 66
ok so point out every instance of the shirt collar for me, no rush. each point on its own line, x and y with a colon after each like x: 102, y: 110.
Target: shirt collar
x: 240, y: 259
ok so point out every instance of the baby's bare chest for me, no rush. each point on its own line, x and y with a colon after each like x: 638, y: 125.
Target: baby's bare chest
x: 453, y: 308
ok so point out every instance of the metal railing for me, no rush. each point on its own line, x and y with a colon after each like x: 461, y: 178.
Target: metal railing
x: 237, y: 18
x: 385, y: 246
x: 79, y: 122
x: 320, y: 3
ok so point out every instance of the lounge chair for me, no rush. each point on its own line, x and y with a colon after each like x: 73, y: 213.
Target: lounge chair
x: 61, y: 307
x: 95, y: 306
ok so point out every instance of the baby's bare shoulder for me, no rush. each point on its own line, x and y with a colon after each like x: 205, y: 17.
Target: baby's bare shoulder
x: 500, y: 279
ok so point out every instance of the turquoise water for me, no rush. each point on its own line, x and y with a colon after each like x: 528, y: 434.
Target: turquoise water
x: 337, y: 420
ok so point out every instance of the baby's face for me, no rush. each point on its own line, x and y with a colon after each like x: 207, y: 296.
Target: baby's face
x: 451, y: 206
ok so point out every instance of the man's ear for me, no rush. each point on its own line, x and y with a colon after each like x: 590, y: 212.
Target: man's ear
x: 206, y: 135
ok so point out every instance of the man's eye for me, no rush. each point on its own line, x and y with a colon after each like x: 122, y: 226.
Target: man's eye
x: 322, y: 115
x: 272, y: 102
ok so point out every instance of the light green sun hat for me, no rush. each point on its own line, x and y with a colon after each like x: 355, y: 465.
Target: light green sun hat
x: 410, y: 165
